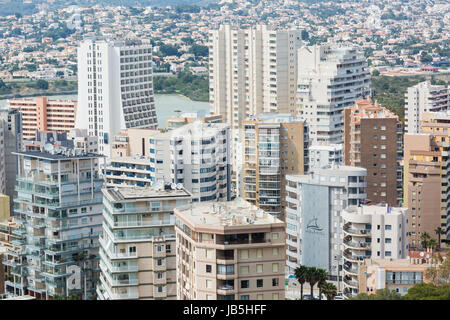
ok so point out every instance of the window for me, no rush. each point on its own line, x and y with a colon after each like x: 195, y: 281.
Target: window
x: 259, y: 253
x: 275, y: 296
x: 209, y: 253
x: 244, y: 254
x: 275, y: 251
x: 245, y: 297
x: 259, y: 297
x: 209, y: 284
x: 388, y: 227
x: 388, y: 240
x: 274, y: 267
x: 388, y: 254
x: 244, y: 269
x: 259, y: 283
x: 275, y: 235
x: 208, y: 268
x: 275, y: 282
x: 259, y: 268
x: 245, y: 284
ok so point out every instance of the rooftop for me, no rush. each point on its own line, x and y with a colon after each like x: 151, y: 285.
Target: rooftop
x: 226, y: 214
x: 49, y: 156
x: 131, y: 193
x: 375, y: 209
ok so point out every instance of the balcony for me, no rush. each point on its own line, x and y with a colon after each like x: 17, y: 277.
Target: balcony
x: 350, y: 283
x: 351, y: 270
x: 355, y: 258
x: 356, y: 245
x: 357, y: 232
x: 117, y: 255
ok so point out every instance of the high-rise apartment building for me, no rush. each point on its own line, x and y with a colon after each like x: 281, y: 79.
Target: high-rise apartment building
x: 44, y: 114
x: 322, y: 156
x: 373, y: 139
x: 229, y: 251
x: 373, y: 231
x: 425, y: 185
x: 138, y: 246
x: 313, y: 216
x: 115, y: 88
x: 330, y: 78
x: 59, y: 208
x: 11, y: 121
x: 196, y: 155
x: 252, y: 71
x: 424, y: 97
x: 273, y: 145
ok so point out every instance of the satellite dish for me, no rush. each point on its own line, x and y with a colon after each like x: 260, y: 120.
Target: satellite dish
x: 179, y: 186
x: 173, y: 186
x: 421, y: 254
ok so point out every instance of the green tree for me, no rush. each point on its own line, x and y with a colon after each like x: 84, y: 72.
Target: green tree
x: 425, y: 237
x: 329, y: 290
x: 312, y: 277
x: 428, y: 291
x: 300, y: 275
x: 42, y: 84
x: 322, y: 276
x: 439, y: 231
x: 382, y: 294
x: 375, y: 73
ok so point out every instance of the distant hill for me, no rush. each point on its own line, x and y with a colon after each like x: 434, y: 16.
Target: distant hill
x: 10, y: 7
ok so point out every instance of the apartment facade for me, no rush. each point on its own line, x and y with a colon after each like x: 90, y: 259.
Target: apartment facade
x: 373, y: 139
x: 424, y: 97
x: 59, y: 209
x: 132, y: 142
x: 138, y: 244
x: 322, y: 156
x: 11, y: 121
x: 44, y: 114
x: 394, y: 274
x: 116, y: 88
x: 330, y: 78
x: 426, y: 179
x: 274, y: 145
x: 313, y: 217
x: 238, y: 252
x: 252, y: 71
x: 373, y: 231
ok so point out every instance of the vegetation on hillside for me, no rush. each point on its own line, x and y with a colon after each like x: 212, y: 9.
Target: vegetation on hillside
x: 195, y: 87
x: 35, y: 88
x: 390, y: 91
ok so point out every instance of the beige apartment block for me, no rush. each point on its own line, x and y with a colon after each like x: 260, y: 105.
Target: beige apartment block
x: 273, y: 146
x: 44, y: 114
x: 394, y: 274
x: 132, y: 141
x: 229, y: 251
x: 137, y: 248
x: 426, y: 188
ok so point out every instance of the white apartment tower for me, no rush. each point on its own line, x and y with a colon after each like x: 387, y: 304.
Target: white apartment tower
x: 252, y: 71
x: 313, y: 216
x: 377, y: 232
x: 424, y: 97
x: 330, y: 78
x: 115, y: 88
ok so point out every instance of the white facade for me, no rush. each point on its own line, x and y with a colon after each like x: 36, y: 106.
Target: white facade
x: 378, y: 232
x: 330, y: 78
x: 424, y: 97
x: 316, y: 201
x: 321, y: 156
x: 196, y: 155
x: 115, y: 88
x: 252, y: 71
x: 2, y: 159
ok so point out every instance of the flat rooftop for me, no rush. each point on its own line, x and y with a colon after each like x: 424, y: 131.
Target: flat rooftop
x: 131, y: 193
x: 230, y: 213
x: 58, y: 156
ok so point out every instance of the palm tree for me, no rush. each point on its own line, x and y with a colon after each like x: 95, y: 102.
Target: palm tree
x: 432, y: 243
x: 312, y: 278
x: 439, y: 231
x: 425, y: 238
x: 322, y: 276
x: 329, y: 290
x: 300, y: 274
